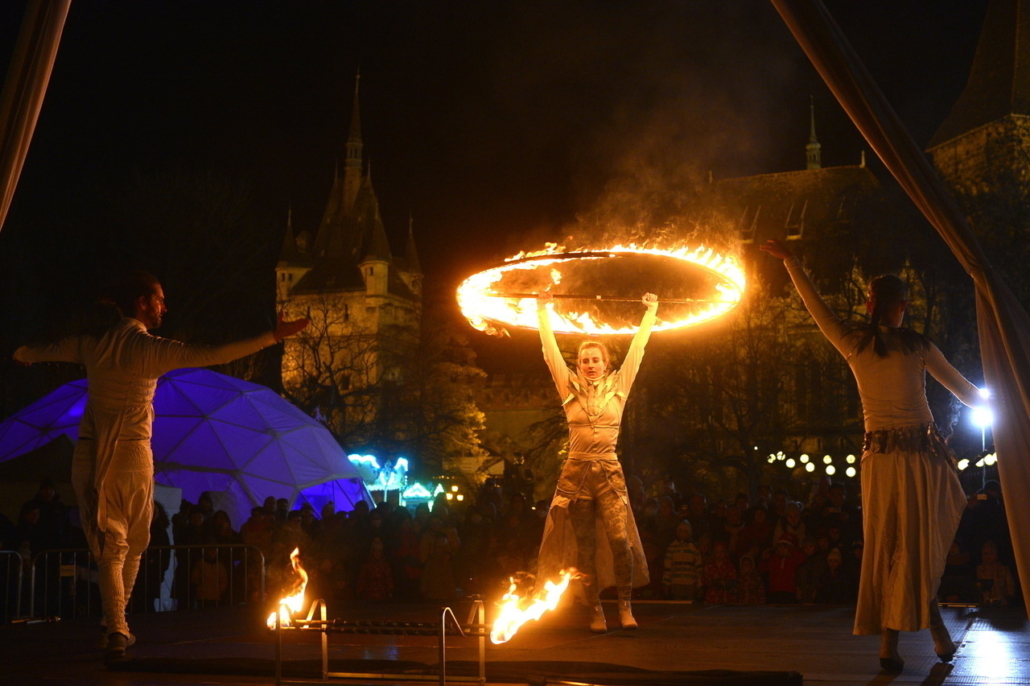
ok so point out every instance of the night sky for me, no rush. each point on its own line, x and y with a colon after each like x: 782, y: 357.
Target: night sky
x: 493, y: 123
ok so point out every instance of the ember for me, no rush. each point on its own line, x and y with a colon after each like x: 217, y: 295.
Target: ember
x: 486, y: 302
x: 292, y: 604
x: 513, y: 616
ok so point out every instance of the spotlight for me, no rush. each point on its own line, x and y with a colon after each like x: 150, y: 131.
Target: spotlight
x: 804, y: 459
x: 790, y: 463
x: 809, y: 467
x: 830, y: 470
x: 850, y: 459
x: 851, y: 471
x: 827, y: 459
x: 963, y: 463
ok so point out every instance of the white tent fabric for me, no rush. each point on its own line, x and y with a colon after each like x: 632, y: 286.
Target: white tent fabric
x: 1004, y: 326
x: 24, y: 88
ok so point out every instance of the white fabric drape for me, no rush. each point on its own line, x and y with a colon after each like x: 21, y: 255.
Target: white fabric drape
x: 1004, y: 326
x: 24, y: 88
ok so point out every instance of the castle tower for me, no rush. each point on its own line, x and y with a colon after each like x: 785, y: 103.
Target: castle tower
x: 989, y: 126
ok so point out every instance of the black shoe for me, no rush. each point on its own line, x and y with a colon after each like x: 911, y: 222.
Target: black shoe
x: 116, y: 645
x: 892, y: 664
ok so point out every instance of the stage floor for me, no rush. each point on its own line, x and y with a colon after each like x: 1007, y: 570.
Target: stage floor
x: 230, y: 646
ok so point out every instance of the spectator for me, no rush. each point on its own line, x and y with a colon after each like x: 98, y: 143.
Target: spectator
x: 756, y: 536
x: 209, y: 577
x: 155, y: 562
x: 997, y: 586
x: 750, y: 589
x: 839, y: 585
x: 683, y: 565
x: 790, y: 523
x: 811, y: 571
x: 375, y: 580
x: 782, y: 567
x: 720, y: 577
x: 437, y: 571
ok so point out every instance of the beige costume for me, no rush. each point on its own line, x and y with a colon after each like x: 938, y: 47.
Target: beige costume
x: 911, y: 496
x: 590, y: 524
x: 113, y: 467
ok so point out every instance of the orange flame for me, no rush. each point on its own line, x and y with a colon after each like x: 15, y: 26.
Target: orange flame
x: 512, y: 617
x: 484, y: 306
x: 292, y: 604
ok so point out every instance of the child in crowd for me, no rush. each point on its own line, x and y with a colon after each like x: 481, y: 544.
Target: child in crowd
x: 782, y: 568
x: 720, y: 575
x: 811, y: 571
x: 994, y: 579
x: 683, y: 565
x: 839, y: 585
x: 750, y: 589
x: 375, y: 580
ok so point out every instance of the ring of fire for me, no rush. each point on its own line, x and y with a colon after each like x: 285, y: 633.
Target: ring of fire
x: 484, y: 306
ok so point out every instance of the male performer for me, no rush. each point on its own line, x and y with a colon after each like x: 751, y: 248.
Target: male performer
x: 113, y: 466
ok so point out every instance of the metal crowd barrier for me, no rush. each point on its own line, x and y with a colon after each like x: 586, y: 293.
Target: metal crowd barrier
x: 11, y: 585
x: 475, y: 627
x: 64, y: 582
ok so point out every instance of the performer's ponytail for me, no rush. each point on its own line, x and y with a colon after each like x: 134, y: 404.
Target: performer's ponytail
x: 885, y: 293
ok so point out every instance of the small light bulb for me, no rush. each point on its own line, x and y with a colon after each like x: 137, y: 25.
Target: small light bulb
x: 831, y: 470
x: 851, y: 471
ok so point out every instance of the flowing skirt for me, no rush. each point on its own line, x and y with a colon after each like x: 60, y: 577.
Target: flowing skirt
x: 912, y: 502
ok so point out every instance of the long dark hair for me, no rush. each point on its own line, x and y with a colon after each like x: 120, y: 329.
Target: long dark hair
x: 886, y: 292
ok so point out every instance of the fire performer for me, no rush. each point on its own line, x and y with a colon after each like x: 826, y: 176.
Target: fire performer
x: 590, y: 524
x: 911, y: 496
x: 113, y: 466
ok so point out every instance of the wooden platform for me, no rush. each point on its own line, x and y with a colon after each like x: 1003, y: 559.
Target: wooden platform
x: 230, y: 646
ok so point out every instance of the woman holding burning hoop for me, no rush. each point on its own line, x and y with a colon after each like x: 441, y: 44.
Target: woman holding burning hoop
x: 911, y: 496
x: 590, y: 525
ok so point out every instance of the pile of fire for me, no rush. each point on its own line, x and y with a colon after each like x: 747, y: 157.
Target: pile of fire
x: 293, y: 603
x: 515, y: 609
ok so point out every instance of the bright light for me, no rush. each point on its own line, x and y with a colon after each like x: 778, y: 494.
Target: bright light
x: 831, y: 470
x: 454, y: 489
x: 850, y: 459
x: 990, y: 459
x: 982, y: 417
x: 804, y: 459
x: 809, y: 467
x: 979, y: 463
x: 790, y: 463
x: 450, y: 496
x: 827, y: 459
x: 771, y: 459
x: 851, y: 471
x: 984, y: 393
x: 483, y: 300
x: 460, y: 497
x: 963, y: 463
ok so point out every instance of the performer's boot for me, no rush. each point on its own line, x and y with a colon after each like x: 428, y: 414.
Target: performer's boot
x: 890, y: 660
x: 597, y: 623
x: 626, y: 615
x: 942, y: 643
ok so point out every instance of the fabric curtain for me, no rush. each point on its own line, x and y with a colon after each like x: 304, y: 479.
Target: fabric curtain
x: 24, y: 88
x: 1004, y: 326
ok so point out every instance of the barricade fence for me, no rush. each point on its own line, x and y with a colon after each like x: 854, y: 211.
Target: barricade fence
x: 12, y: 574
x: 65, y: 582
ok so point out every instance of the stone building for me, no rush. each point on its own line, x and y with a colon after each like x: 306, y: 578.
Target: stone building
x: 364, y: 301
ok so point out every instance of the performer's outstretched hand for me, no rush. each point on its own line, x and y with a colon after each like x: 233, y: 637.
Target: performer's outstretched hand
x: 284, y: 329
x: 776, y: 249
x: 650, y: 301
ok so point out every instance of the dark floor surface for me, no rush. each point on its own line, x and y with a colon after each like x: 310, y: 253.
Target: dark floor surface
x: 815, y: 641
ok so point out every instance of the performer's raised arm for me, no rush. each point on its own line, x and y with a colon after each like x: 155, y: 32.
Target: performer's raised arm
x: 552, y: 353
x: 635, y: 354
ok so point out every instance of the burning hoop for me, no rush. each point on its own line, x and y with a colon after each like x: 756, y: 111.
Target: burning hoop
x: 490, y: 298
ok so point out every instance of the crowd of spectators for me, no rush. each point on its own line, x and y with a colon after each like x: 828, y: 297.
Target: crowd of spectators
x: 759, y: 548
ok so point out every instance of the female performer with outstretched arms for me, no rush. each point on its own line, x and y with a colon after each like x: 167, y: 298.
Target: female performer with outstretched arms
x: 911, y: 496
x: 590, y: 524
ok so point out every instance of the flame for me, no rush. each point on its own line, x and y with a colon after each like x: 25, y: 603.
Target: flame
x: 292, y: 604
x: 512, y: 616
x: 484, y: 306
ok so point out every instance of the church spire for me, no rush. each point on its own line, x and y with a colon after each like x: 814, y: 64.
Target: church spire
x: 352, y: 163
x: 812, y: 154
